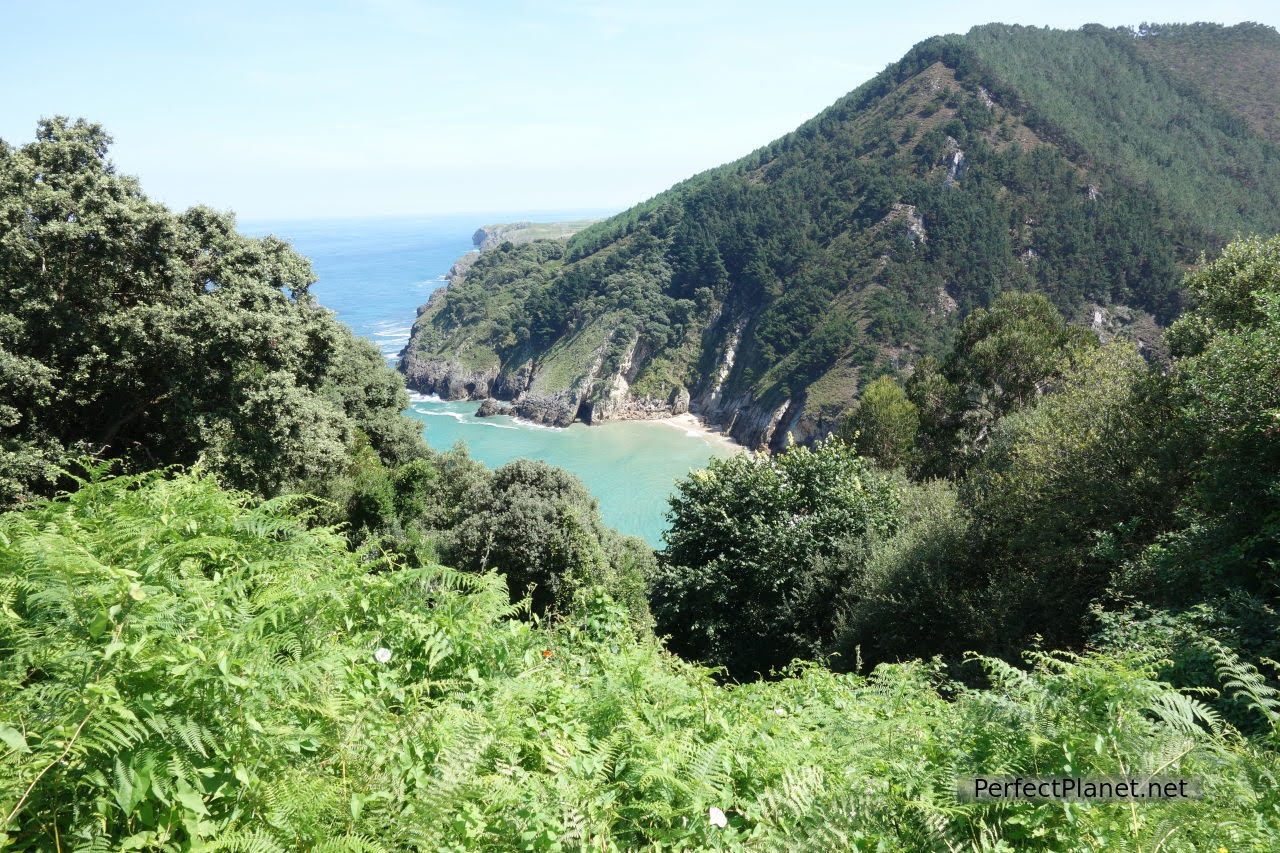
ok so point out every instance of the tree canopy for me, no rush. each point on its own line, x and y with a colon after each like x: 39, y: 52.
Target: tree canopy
x: 156, y: 338
x: 759, y: 549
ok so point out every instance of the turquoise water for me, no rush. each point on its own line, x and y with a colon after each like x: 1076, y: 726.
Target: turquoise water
x: 629, y: 466
x: 376, y: 272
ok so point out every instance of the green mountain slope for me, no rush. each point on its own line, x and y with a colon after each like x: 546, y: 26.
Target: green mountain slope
x: 1091, y: 166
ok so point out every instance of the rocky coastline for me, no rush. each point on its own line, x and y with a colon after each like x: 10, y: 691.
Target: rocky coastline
x: 596, y: 394
x: 595, y: 399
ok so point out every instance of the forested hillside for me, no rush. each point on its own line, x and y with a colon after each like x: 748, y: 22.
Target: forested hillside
x: 1091, y: 166
x: 243, y: 606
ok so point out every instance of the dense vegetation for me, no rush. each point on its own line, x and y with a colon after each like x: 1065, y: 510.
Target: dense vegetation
x: 131, y: 332
x: 1089, y: 166
x: 1047, y: 488
x: 244, y: 608
x: 187, y: 668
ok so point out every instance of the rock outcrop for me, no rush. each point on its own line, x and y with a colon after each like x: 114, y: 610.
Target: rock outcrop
x: 491, y: 407
x: 458, y: 271
x: 449, y: 380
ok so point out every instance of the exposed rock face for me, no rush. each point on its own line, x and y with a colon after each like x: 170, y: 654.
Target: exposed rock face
x: 946, y: 302
x: 599, y: 394
x: 560, y: 409
x: 449, y: 380
x: 491, y: 407
x: 489, y: 236
x: 595, y: 397
x: 914, y: 222
x: 458, y: 271
x: 1123, y: 322
x: 955, y: 172
x: 754, y: 423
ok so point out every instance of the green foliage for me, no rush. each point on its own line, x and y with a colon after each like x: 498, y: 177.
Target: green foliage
x: 1007, y: 352
x: 1226, y: 631
x: 922, y: 589
x: 758, y: 550
x: 1072, y: 486
x: 541, y: 527
x: 1229, y: 395
x: 1080, y: 469
x: 1197, y: 157
x: 1194, y: 54
x: 187, y: 669
x: 157, y: 338
x: 172, y: 664
x: 1002, y: 359
x: 883, y: 424
x: 1231, y: 293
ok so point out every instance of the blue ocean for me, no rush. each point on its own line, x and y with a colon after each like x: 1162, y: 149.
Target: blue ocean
x: 375, y: 272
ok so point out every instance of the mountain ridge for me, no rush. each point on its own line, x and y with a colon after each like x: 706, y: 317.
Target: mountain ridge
x: 763, y: 294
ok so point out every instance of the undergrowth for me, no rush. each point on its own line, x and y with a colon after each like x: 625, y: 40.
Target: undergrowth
x: 187, y: 668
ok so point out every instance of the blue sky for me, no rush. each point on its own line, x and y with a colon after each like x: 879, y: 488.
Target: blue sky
x: 368, y: 107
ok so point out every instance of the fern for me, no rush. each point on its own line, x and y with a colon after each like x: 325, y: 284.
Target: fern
x: 1246, y: 683
x: 183, y: 668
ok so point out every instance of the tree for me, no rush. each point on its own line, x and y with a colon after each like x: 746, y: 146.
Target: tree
x: 1002, y: 359
x: 750, y: 574
x: 1232, y: 293
x: 1072, y: 486
x: 1005, y: 354
x: 131, y: 332
x: 921, y: 592
x: 1228, y: 381
x: 883, y: 424
x: 540, y: 527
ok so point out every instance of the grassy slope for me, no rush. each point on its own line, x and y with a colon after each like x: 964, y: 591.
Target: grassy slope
x: 527, y: 232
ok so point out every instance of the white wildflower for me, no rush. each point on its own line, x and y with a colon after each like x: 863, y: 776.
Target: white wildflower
x: 717, y: 817
x: 382, y: 655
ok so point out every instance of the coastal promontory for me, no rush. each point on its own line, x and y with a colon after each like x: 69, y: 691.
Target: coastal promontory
x: 1091, y: 166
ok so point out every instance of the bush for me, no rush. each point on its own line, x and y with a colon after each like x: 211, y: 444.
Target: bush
x: 920, y: 592
x: 760, y: 547
x: 541, y: 527
x: 188, y: 669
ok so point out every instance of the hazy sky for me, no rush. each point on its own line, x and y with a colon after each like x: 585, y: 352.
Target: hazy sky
x: 363, y: 107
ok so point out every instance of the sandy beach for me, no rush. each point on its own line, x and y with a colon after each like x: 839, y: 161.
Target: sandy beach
x: 694, y: 425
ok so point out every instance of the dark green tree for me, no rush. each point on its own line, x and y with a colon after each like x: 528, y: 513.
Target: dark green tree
x: 540, y: 527
x: 131, y: 332
x: 1002, y: 359
x: 1228, y: 379
x: 759, y: 549
x: 1071, y: 487
x: 883, y: 424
